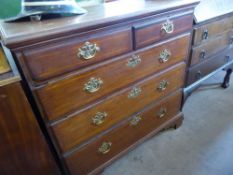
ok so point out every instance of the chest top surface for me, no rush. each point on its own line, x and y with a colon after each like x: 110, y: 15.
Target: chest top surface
x: 97, y: 16
x: 209, y: 9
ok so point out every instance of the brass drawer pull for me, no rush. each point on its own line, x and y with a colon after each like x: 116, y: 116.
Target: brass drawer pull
x: 202, y: 54
x: 205, y: 34
x: 99, y: 118
x: 93, y: 85
x: 168, y: 27
x: 231, y: 40
x: 135, y: 92
x: 162, y: 112
x: 164, y: 56
x: 227, y: 58
x: 134, y: 61
x: 135, y: 120
x: 88, y: 50
x: 105, y: 147
x: 163, y: 85
x: 198, y: 75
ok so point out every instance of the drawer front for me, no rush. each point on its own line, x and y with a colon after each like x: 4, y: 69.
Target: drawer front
x: 210, y: 30
x: 44, y: 62
x: 117, y: 140
x: 146, y: 34
x: 205, y: 50
x: 103, y: 115
x: 201, y: 70
x: 111, y: 76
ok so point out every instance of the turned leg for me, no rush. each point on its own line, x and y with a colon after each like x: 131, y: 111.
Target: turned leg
x: 226, y: 80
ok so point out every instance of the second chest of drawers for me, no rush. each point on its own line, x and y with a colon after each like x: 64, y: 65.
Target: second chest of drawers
x: 212, y: 45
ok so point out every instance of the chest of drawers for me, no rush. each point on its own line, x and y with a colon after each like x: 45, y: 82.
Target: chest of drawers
x: 105, y: 81
x: 212, y: 44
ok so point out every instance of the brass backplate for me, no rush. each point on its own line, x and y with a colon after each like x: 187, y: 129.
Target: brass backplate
x: 4, y: 66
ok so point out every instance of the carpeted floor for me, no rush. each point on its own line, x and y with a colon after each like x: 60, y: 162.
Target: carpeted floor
x: 203, y: 145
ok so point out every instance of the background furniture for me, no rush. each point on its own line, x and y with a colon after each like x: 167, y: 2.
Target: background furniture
x: 23, y: 149
x: 105, y: 81
x: 212, y: 45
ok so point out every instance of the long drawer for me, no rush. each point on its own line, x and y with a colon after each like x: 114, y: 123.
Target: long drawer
x: 214, y: 45
x: 205, y: 32
x: 201, y: 70
x: 104, y: 148
x: 101, y: 116
x: 86, y: 87
x: 57, y: 58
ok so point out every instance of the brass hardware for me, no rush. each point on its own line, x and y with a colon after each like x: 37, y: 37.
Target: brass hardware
x: 168, y: 27
x: 198, y: 75
x: 134, y: 61
x: 88, y: 50
x: 135, y: 120
x: 227, y: 58
x: 93, y: 85
x: 162, y: 112
x: 4, y: 66
x: 134, y: 92
x: 164, y: 56
x: 202, y: 54
x: 163, y: 85
x: 99, y: 118
x: 105, y: 147
x: 231, y: 40
x: 205, y: 34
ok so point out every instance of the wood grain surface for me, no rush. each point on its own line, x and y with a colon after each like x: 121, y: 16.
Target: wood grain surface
x: 57, y: 58
x: 23, y: 150
x: 79, y: 128
x: 115, y: 75
x: 88, y: 158
x: 18, y: 34
x: 146, y: 34
x: 211, y: 47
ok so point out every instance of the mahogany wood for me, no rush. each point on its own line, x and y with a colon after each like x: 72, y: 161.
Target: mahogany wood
x: 213, y: 46
x: 206, y: 67
x: 58, y: 58
x: 16, y: 35
x: 79, y: 128
x: 115, y: 75
x: 174, y: 122
x: 88, y: 158
x: 214, y: 28
x: 46, y: 51
x: 23, y: 150
x: 146, y: 34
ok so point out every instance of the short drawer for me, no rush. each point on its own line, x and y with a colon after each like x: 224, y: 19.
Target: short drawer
x: 205, y: 32
x: 89, y: 86
x: 101, y: 116
x: 201, y: 70
x: 149, y: 33
x: 214, y: 45
x: 45, y: 62
x: 98, y: 152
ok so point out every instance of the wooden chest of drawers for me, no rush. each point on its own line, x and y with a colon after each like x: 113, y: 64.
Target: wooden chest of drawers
x: 212, y: 45
x: 104, y: 82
